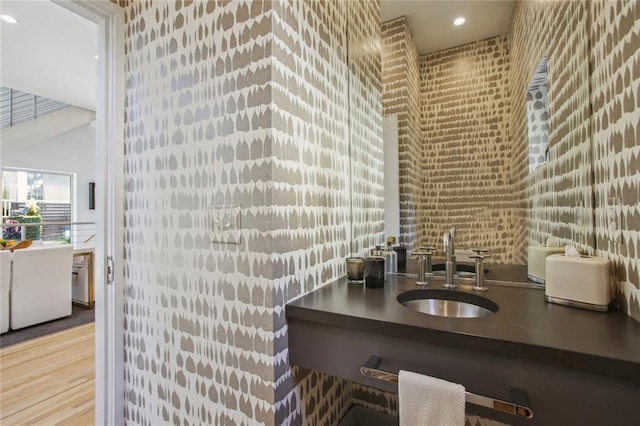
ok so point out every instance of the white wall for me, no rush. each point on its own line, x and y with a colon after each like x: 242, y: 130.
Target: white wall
x: 45, y: 127
x: 72, y: 152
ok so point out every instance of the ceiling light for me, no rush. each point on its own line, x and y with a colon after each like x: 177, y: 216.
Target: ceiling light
x: 459, y: 21
x: 95, y: 56
x: 8, y: 18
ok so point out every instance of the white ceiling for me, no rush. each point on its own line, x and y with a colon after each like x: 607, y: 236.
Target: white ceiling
x: 431, y: 21
x: 50, y: 53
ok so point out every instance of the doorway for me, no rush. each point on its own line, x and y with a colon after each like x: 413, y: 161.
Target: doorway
x: 109, y: 195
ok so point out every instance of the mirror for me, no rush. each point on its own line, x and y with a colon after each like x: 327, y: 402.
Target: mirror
x: 463, y: 144
x: 538, y: 117
x: 365, y: 103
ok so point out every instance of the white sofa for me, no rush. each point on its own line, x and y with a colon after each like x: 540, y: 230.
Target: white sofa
x: 5, y: 285
x: 41, y: 285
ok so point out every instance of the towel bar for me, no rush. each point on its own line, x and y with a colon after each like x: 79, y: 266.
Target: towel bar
x: 370, y: 369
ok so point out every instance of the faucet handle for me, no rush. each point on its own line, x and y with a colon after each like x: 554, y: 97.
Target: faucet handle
x: 481, y: 252
x: 479, y: 258
x: 423, y: 251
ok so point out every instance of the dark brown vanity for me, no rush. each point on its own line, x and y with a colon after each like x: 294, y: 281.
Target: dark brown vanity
x: 568, y: 366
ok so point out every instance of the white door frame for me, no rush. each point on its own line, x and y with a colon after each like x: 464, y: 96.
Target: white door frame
x: 109, y: 306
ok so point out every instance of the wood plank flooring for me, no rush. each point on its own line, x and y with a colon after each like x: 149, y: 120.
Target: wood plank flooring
x: 49, y: 380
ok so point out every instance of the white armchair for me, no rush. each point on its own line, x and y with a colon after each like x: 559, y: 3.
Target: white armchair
x: 5, y: 285
x: 41, y: 285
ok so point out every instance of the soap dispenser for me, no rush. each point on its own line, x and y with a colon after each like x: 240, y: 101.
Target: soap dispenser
x: 390, y: 257
x: 374, y: 269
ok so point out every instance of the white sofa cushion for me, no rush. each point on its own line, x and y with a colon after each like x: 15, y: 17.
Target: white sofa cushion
x: 41, y: 285
x: 5, y: 285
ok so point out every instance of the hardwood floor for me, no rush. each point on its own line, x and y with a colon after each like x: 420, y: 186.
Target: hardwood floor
x: 49, y: 380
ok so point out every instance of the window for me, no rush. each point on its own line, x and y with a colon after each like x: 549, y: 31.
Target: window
x: 52, y: 192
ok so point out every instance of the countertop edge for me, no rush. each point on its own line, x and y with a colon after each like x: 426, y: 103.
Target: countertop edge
x: 590, y: 363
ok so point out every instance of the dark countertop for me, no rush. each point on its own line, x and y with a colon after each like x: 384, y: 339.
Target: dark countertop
x: 525, y: 326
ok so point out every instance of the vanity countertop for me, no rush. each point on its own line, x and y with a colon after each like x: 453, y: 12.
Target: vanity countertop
x: 524, y: 327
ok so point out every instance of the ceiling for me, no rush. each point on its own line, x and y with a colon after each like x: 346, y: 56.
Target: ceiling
x: 50, y: 53
x: 431, y: 21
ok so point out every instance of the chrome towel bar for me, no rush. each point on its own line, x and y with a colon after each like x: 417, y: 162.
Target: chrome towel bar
x: 370, y: 369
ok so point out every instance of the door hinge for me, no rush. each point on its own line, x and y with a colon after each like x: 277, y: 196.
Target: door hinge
x: 110, y: 270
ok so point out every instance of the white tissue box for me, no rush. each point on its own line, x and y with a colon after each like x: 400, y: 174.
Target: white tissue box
x: 582, y: 282
x: 536, y: 261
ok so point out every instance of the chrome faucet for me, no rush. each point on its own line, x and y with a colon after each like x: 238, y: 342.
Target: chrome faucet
x: 452, y: 231
x: 450, y: 264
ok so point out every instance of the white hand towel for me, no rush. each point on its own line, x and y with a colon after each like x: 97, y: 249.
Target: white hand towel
x: 427, y: 401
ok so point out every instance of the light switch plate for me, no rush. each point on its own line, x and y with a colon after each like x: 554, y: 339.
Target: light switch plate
x: 614, y: 219
x: 225, y: 224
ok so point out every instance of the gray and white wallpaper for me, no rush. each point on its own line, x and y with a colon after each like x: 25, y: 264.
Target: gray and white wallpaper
x: 454, y: 168
x: 256, y: 105
x: 558, y: 194
x: 242, y: 104
x: 400, y: 96
x: 310, y: 228
x: 465, y: 149
x: 201, y: 327
x: 537, y: 126
x: 365, y: 124
x: 615, y: 123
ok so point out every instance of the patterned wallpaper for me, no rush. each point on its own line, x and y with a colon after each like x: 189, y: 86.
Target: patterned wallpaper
x: 537, y: 126
x: 477, y: 154
x: 245, y: 103
x: 465, y: 155
x: 310, y: 215
x: 400, y: 96
x: 558, y: 194
x: 200, y: 320
x: 365, y: 124
x: 615, y: 98
x: 242, y: 103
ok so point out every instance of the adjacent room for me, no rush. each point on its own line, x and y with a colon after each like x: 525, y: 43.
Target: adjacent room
x: 48, y: 86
